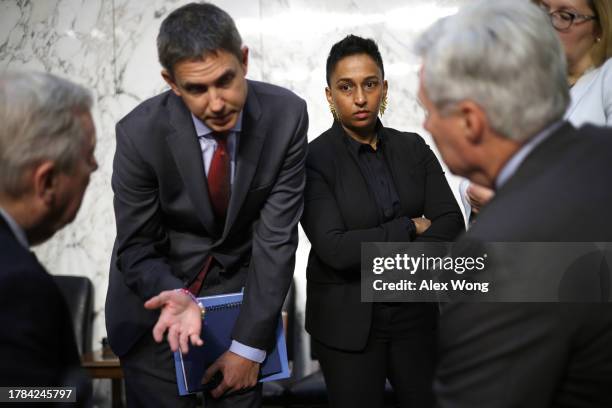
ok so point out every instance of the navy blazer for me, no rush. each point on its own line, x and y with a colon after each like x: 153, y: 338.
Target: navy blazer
x: 37, y: 345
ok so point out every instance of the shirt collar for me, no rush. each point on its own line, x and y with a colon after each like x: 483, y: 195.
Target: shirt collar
x: 15, y: 228
x: 515, y: 161
x: 204, y: 131
x: 357, y: 147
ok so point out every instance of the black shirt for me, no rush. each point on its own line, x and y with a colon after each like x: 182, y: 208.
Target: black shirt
x: 375, y: 170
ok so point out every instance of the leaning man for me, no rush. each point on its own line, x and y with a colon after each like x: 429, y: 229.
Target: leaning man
x: 208, y: 180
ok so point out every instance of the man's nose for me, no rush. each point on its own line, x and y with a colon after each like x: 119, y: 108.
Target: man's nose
x: 216, y: 101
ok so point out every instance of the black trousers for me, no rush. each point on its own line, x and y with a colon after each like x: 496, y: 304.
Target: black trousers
x: 401, y: 347
x: 150, y: 381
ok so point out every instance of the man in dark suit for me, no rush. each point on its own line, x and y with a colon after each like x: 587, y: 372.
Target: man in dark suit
x: 47, y: 140
x: 208, y: 180
x: 500, y: 125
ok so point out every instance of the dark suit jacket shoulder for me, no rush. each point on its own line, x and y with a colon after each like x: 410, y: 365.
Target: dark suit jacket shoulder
x: 555, y: 184
x: 37, y: 338
x: 537, y: 354
x: 151, y: 116
x: 340, y: 213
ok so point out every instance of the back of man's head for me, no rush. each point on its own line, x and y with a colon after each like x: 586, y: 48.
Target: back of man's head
x: 40, y: 117
x: 195, y: 30
x: 505, y: 56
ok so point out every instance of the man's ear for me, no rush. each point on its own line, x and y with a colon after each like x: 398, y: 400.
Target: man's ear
x: 245, y: 59
x: 473, y: 121
x: 170, y: 81
x: 45, y: 182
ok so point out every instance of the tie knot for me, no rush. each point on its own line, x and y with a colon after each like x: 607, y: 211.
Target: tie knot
x: 221, y: 140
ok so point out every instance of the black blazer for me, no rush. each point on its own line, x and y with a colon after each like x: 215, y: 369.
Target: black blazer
x: 37, y: 346
x: 340, y: 213
x: 539, y: 354
x: 165, y: 223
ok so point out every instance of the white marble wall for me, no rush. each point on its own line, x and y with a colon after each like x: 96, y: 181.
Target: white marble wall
x: 109, y: 46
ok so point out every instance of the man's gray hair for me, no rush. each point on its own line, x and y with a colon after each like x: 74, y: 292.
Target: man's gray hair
x: 40, y: 119
x: 503, y: 55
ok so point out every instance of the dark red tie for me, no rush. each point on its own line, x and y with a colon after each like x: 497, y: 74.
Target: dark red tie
x: 196, y: 285
x: 219, y: 178
x: 219, y: 191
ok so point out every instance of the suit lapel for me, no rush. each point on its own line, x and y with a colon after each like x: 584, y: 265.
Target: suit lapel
x: 399, y: 168
x: 187, y: 154
x: 250, y: 144
x: 5, y: 227
x: 342, y: 149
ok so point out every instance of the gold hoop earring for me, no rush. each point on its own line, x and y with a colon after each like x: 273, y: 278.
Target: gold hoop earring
x: 333, y: 111
x: 383, y: 105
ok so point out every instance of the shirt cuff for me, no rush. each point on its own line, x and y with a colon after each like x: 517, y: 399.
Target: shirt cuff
x: 248, y: 352
x: 411, y: 228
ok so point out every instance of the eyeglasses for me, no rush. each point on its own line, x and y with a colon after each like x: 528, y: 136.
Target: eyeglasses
x: 563, y: 20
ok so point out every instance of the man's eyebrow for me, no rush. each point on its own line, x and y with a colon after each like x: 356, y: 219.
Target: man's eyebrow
x: 227, y: 75
x: 194, y: 85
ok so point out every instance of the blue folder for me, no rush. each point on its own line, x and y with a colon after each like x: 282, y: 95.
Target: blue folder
x: 221, y: 314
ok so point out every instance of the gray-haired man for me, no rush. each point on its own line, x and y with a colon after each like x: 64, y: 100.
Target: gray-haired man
x: 47, y: 139
x: 493, y: 83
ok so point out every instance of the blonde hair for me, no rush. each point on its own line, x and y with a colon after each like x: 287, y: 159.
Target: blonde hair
x: 602, y: 50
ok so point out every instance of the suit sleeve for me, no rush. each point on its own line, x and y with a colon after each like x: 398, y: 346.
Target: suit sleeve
x: 440, y: 207
x: 275, y: 239
x: 336, y: 245
x: 141, y: 239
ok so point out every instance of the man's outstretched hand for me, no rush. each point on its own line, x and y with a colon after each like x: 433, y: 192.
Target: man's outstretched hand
x: 180, y: 316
